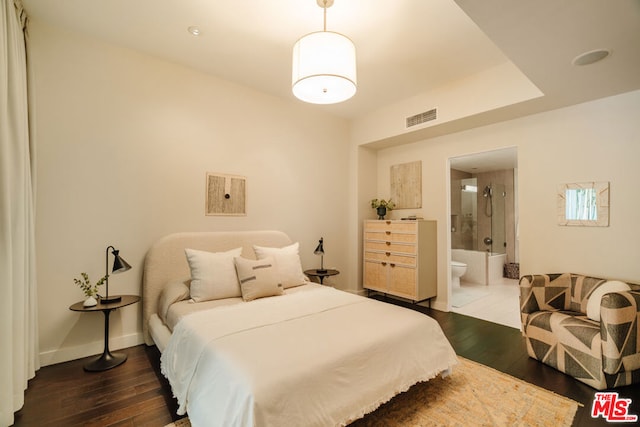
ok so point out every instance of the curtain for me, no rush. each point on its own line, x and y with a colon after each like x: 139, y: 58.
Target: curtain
x: 18, y: 299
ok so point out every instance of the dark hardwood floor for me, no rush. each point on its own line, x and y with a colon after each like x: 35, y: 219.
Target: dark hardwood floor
x: 136, y: 393
x: 132, y: 394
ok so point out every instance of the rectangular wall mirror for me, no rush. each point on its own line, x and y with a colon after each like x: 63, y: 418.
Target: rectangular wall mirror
x: 584, y: 204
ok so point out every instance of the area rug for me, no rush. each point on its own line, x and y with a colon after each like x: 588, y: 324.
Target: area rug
x: 474, y: 395
x: 461, y: 297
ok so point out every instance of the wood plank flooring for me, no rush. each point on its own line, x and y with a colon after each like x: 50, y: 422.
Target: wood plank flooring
x: 136, y: 393
x: 132, y: 394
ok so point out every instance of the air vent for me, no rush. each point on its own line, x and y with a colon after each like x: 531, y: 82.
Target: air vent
x: 427, y: 116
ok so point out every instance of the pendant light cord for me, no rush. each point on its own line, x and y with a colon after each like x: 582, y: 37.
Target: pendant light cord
x: 325, y: 16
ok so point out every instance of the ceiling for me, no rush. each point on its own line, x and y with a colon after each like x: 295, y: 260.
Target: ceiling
x: 404, y: 47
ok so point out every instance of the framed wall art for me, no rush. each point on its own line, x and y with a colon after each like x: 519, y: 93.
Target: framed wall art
x: 584, y: 204
x: 406, y: 185
x: 226, y: 194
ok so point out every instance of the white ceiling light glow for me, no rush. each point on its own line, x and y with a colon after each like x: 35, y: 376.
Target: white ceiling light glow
x: 324, y: 65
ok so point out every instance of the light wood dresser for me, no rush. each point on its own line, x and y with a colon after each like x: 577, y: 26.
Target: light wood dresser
x: 400, y: 258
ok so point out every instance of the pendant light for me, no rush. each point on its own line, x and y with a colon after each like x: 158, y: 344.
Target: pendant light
x: 324, y: 65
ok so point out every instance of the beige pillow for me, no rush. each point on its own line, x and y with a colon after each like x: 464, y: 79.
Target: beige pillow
x: 287, y: 263
x: 173, y: 292
x: 213, y: 274
x: 258, y: 278
x: 593, y: 304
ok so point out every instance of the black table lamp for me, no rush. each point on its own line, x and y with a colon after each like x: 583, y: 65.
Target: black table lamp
x: 320, y: 251
x: 119, y: 265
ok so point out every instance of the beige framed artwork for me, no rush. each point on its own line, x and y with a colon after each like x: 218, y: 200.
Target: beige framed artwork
x: 406, y: 185
x: 226, y: 194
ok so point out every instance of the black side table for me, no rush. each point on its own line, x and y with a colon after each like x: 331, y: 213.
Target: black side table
x: 107, y: 360
x: 321, y: 274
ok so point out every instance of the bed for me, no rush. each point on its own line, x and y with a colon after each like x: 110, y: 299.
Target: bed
x: 281, y: 351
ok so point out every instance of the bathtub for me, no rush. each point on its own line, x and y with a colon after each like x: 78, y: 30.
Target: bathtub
x: 482, y: 267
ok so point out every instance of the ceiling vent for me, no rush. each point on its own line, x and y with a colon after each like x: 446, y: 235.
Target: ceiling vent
x: 427, y: 116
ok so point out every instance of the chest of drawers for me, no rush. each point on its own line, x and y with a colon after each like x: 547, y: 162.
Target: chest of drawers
x: 400, y: 258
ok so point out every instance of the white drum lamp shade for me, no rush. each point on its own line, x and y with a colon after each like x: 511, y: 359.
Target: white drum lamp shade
x: 324, y: 68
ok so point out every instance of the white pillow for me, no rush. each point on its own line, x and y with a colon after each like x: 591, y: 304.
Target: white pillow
x: 213, y: 274
x: 593, y: 304
x: 173, y: 292
x: 287, y: 263
x: 258, y: 278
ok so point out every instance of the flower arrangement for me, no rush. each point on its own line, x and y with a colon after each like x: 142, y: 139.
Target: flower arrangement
x: 85, y: 284
x: 382, y: 203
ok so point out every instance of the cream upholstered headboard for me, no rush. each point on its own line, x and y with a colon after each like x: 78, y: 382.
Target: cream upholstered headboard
x: 166, y: 260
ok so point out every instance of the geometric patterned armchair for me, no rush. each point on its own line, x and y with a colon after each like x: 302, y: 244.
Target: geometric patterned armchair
x: 583, y: 326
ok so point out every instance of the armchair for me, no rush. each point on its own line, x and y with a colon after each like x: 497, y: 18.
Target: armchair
x: 583, y: 326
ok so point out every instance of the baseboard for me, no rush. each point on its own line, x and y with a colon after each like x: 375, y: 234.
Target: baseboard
x: 439, y: 305
x: 52, y: 357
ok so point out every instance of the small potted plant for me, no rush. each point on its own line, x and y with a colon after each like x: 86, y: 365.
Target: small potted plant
x: 90, y: 291
x: 382, y: 206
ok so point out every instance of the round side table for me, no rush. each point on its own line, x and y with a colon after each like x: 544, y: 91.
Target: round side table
x: 321, y: 274
x: 107, y: 360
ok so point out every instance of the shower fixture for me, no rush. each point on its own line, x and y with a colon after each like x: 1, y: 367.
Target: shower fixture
x: 487, y: 193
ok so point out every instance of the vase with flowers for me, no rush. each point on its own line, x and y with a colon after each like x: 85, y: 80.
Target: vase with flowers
x: 90, y: 291
x: 382, y: 206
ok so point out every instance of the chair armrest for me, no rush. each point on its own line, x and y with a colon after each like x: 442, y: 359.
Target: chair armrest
x: 619, y: 314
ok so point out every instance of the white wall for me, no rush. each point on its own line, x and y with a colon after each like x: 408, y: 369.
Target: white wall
x: 123, y: 144
x: 124, y: 141
x: 595, y: 141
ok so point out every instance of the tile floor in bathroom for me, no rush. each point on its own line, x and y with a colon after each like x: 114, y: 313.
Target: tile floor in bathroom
x: 499, y: 305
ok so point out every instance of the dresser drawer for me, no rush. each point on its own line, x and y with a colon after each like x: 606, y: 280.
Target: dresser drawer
x: 392, y: 226
x: 391, y: 236
x: 391, y: 257
x: 402, y: 248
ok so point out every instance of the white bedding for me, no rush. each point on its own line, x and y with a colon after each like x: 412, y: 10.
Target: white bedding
x: 318, y: 358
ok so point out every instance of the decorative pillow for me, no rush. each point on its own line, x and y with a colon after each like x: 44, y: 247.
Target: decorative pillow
x: 173, y: 292
x: 213, y: 274
x: 258, y: 278
x: 287, y: 263
x: 593, y: 304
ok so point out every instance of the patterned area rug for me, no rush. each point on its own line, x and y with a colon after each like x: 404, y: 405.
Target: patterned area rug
x: 474, y: 395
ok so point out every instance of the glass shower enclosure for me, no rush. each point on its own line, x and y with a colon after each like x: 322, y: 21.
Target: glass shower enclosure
x: 480, y: 222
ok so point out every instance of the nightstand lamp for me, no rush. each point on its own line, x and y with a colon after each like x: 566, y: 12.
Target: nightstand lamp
x: 320, y: 251
x: 119, y: 266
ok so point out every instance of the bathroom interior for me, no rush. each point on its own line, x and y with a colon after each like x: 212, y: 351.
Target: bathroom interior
x: 484, y: 239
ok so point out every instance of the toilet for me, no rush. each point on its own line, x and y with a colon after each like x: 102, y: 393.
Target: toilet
x: 457, y: 270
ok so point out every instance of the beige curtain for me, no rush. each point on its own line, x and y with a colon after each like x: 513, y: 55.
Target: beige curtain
x: 18, y: 299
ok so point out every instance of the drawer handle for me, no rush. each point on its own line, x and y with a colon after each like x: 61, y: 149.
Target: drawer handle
x: 388, y: 232
x: 388, y: 222
x: 383, y: 263
x: 392, y: 265
x: 388, y: 243
x: 387, y: 253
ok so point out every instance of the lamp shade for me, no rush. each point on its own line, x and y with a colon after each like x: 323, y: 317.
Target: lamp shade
x: 119, y: 265
x: 320, y: 248
x: 324, y: 68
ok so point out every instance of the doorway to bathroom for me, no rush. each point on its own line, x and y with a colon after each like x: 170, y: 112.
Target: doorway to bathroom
x: 483, y: 208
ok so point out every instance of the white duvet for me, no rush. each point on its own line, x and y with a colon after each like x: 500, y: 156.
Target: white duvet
x: 317, y: 358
